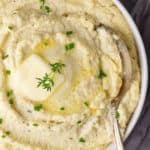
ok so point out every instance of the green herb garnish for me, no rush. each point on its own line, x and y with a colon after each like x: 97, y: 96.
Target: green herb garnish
x: 4, y: 57
x: 69, y: 46
x: 10, y: 28
x: 38, y: 107
x: 68, y: 33
x: 117, y: 115
x: 82, y: 140
x: 11, y: 101
x: 3, y: 136
x: 46, y: 43
x: 1, y: 120
x: 35, y: 124
x: 7, y: 132
x: 62, y: 108
x: 102, y: 74
x: 86, y: 104
x: 47, y: 9
x: 78, y: 122
x: 9, y: 93
x: 8, y: 72
x: 42, y: 2
x: 44, y: 7
x: 46, y: 82
x: 57, y: 67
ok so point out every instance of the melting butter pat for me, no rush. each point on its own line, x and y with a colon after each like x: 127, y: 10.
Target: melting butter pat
x: 25, y: 78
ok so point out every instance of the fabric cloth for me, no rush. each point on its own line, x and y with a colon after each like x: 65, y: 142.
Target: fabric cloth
x: 140, y: 137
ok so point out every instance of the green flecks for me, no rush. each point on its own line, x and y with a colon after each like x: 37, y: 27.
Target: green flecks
x: 82, y: 140
x: 38, y: 107
x: 10, y: 28
x: 9, y: 93
x: 69, y: 46
x: 79, y: 122
x: 3, y: 136
x: 11, y: 101
x: 5, y: 57
x: 46, y: 43
x: 42, y: 2
x: 6, y: 133
x: 35, y: 124
x: 1, y: 120
x: 102, y: 74
x: 62, y: 108
x: 47, y: 9
x: 8, y: 72
x: 117, y: 115
x: 86, y: 104
x: 44, y: 7
x: 10, y: 97
x: 69, y: 33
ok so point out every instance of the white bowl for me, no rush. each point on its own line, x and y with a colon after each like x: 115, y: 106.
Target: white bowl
x: 143, y: 67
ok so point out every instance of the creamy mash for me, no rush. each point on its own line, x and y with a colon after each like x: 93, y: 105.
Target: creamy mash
x: 60, y: 68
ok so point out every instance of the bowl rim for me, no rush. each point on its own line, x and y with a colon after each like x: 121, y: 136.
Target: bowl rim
x: 143, y: 67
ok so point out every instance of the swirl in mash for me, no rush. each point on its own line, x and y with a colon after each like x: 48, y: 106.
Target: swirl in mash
x: 59, y: 71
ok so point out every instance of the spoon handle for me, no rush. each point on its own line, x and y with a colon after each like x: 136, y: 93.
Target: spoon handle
x: 117, y: 133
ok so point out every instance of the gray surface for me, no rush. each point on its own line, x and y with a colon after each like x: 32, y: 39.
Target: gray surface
x: 140, y: 137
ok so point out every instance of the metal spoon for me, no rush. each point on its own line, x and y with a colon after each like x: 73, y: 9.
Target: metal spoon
x: 127, y: 78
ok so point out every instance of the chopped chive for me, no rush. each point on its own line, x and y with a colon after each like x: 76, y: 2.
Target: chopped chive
x: 11, y: 101
x: 35, y: 124
x: 8, y: 72
x: 68, y: 33
x: 4, y: 57
x: 82, y: 140
x: 62, y: 108
x: 3, y: 136
x: 10, y: 28
x: 42, y: 2
x: 9, y: 93
x: 44, y: 7
x: 46, y: 43
x: 38, y: 107
x: 102, y: 74
x: 7, y: 132
x: 69, y: 46
x: 86, y: 104
x: 117, y: 115
x: 1, y: 120
x: 47, y: 9
x: 78, y: 122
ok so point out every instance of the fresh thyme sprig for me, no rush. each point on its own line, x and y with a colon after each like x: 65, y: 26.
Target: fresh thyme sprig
x: 45, y: 82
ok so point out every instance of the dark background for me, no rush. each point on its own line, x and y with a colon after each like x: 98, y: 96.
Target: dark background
x: 140, y: 137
